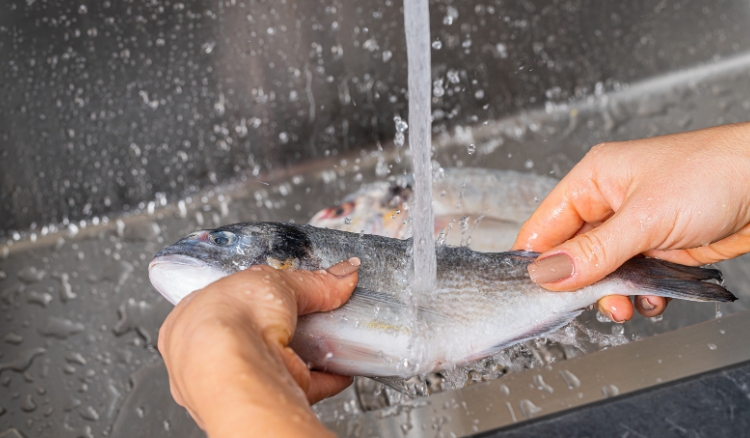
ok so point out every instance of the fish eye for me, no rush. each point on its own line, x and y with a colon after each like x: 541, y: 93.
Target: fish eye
x: 222, y: 238
x: 343, y: 209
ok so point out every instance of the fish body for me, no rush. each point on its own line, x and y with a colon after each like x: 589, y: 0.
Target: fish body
x: 492, y: 204
x: 483, y: 302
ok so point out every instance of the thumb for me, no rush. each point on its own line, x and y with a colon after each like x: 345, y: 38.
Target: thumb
x: 590, y: 256
x: 321, y: 291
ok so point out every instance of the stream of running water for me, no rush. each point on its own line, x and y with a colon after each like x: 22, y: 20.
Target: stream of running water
x: 417, y: 26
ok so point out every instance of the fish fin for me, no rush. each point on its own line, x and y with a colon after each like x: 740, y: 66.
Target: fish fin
x: 394, y: 382
x: 550, y: 326
x: 665, y: 279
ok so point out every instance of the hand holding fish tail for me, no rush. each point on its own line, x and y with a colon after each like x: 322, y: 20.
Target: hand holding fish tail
x: 226, y: 350
x: 682, y: 198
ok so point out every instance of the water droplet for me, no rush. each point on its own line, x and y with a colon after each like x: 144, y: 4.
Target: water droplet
x: 82, y: 9
x: 712, y: 346
x: 610, y: 390
x: 529, y: 409
x: 570, y: 379
x: 471, y: 149
x: 502, y: 50
x: 381, y: 168
x: 208, y: 47
x: 66, y: 290
x: 41, y: 298
x: 437, y: 45
x: 437, y: 88
x: 401, y: 125
x: 451, y: 14
x: 347, y: 220
x: 453, y: 77
x: 31, y: 275
x: 656, y: 318
x: 28, y: 404
x: 23, y: 360
x: 89, y: 413
x: 61, y: 328
x: 76, y: 358
x: 12, y: 338
x: 542, y: 385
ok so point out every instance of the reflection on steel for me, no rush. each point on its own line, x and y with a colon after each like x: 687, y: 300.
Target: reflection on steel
x: 576, y: 382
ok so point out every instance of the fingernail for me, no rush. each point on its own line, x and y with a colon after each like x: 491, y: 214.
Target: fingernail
x: 646, y: 304
x: 611, y: 317
x: 551, y: 269
x: 342, y: 269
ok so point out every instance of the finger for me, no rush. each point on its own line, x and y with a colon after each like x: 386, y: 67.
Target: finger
x: 618, y: 308
x: 650, y: 306
x: 296, y: 368
x: 322, y: 291
x: 733, y: 246
x: 324, y: 385
x: 575, y: 201
x: 730, y: 247
x: 591, y: 256
x: 679, y: 256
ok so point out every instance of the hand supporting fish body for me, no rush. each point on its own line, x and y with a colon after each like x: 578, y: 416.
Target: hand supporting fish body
x: 484, y: 302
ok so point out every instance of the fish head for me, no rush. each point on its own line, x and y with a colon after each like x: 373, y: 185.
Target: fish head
x: 202, y: 257
x: 380, y: 209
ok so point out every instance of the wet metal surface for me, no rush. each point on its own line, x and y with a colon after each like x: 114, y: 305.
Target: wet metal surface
x: 107, y: 105
x: 557, y: 387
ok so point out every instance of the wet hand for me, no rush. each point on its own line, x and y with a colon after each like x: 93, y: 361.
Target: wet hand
x: 682, y: 198
x: 225, y: 348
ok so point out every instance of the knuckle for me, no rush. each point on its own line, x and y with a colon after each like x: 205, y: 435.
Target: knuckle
x: 591, y: 247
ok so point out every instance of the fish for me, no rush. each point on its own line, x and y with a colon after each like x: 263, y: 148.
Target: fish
x: 482, y: 302
x: 475, y: 207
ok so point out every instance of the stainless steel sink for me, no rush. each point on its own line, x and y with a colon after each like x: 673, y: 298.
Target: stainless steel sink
x: 125, y: 125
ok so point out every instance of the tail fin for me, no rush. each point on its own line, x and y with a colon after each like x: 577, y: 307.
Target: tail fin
x: 671, y: 280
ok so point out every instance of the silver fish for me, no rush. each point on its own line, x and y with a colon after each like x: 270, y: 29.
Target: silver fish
x: 484, y: 302
x: 479, y: 208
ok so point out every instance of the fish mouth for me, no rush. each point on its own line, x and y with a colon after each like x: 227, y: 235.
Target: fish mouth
x: 176, y: 276
x: 176, y: 259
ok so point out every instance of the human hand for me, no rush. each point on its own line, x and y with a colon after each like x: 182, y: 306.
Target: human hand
x: 682, y: 198
x: 225, y: 348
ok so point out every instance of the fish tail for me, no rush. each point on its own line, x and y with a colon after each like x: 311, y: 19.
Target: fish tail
x: 665, y: 279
